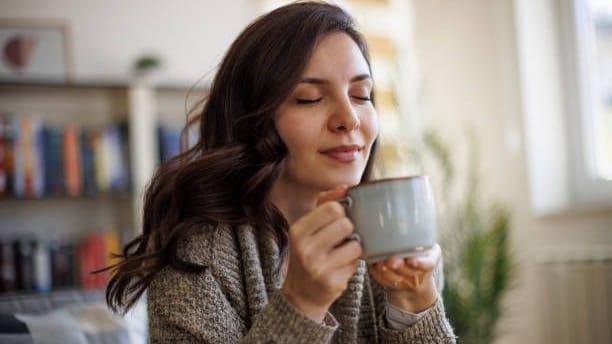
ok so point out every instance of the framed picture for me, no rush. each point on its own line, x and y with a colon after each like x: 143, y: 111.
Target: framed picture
x: 34, y: 51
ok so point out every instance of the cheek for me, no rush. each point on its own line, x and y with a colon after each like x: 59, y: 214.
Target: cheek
x: 294, y: 133
x: 370, y: 127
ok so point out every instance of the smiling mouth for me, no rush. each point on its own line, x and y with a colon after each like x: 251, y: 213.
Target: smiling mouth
x: 344, y: 154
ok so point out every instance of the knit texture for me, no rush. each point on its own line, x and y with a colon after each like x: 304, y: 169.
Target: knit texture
x: 237, y: 299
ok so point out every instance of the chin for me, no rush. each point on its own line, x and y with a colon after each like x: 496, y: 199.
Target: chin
x: 344, y: 180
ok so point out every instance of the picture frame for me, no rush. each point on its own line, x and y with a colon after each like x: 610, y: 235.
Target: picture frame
x: 34, y: 51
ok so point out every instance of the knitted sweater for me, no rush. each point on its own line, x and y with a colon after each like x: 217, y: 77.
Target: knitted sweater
x: 237, y: 299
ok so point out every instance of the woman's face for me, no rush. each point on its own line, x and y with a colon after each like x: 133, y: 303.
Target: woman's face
x: 328, y: 122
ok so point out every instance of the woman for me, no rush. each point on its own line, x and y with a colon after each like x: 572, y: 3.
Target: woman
x: 243, y: 240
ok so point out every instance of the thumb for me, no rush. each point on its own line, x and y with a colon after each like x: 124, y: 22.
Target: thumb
x: 333, y: 194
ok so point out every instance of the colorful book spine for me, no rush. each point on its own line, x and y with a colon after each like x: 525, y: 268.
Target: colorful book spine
x: 8, y: 274
x: 46, y: 264
x: 86, y: 263
x: 41, y: 260
x: 100, y: 161
x: 8, y: 134
x: 72, y: 160
x: 112, y: 245
x: 24, y: 264
x: 54, y: 167
x: 19, y: 157
x: 169, y: 142
x: 63, y: 260
x: 38, y: 156
x: 3, y: 165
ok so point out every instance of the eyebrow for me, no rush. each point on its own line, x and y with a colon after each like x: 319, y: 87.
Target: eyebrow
x: 356, y: 78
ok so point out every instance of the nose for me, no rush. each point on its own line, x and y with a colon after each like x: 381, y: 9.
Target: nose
x: 344, y: 118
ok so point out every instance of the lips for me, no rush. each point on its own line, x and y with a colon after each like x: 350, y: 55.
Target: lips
x: 345, y: 153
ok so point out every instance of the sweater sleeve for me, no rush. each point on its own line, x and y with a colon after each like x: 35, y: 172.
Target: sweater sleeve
x: 433, y: 328
x: 280, y: 322
x: 191, y: 308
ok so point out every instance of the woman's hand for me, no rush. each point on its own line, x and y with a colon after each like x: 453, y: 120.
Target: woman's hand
x: 321, y: 261
x: 409, y: 282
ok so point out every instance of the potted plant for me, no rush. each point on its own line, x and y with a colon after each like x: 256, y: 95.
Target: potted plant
x: 478, y: 264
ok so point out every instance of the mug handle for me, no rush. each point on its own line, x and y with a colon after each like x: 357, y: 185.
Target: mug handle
x: 347, y: 203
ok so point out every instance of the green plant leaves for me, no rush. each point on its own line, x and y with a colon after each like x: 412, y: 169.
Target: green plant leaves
x: 478, y: 262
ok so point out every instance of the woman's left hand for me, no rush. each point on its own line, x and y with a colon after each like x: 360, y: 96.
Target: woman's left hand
x: 409, y: 281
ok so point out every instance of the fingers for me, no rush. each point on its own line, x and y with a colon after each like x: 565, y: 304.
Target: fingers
x: 345, y: 254
x: 333, y: 234
x: 427, y: 261
x: 317, y: 219
x: 411, y: 272
x: 333, y: 194
x: 344, y: 274
x: 385, y: 275
x: 405, y: 270
x: 325, y: 213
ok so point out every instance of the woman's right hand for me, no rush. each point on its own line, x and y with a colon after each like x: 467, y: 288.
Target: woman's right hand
x: 321, y: 261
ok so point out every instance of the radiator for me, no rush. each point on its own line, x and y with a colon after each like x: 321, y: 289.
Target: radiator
x: 576, y: 291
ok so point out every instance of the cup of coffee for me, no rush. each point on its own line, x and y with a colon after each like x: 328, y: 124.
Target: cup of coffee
x: 392, y: 216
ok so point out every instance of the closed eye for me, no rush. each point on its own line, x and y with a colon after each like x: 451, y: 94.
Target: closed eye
x: 307, y: 101
x: 365, y: 99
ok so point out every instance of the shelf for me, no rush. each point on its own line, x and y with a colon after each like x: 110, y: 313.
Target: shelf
x: 94, y: 197
x: 29, y: 85
x: 61, y: 291
x: 95, y: 84
x: 93, y: 103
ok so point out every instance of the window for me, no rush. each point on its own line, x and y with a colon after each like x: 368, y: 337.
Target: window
x: 564, y: 52
x: 587, y: 74
x: 600, y: 37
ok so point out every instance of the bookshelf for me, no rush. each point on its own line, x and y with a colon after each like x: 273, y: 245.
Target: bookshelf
x: 90, y: 106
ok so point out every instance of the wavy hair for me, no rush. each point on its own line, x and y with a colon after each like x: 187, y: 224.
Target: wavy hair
x: 225, y: 178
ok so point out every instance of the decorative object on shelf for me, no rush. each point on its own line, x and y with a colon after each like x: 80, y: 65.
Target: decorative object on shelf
x: 34, y: 51
x: 146, y: 68
x: 478, y: 263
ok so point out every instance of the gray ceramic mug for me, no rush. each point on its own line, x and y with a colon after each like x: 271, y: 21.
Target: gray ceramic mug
x: 392, y: 216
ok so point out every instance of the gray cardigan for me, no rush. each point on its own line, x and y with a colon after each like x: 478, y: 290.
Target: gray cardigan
x: 236, y: 299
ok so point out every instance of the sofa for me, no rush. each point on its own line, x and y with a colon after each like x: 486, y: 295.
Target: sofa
x: 72, y: 316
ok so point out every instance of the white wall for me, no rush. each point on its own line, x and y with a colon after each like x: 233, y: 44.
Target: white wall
x: 106, y: 36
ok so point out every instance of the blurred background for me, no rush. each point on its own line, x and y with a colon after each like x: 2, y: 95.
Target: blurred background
x: 506, y: 104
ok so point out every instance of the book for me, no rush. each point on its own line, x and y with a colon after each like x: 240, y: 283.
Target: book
x: 63, y: 263
x: 88, y: 162
x: 3, y: 164
x: 100, y: 161
x: 72, y: 160
x: 8, y: 275
x: 41, y: 266
x: 24, y: 265
x: 8, y: 128
x: 54, y: 164
x: 169, y: 142
x: 28, y: 157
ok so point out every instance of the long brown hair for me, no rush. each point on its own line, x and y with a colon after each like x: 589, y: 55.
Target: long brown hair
x: 226, y: 176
